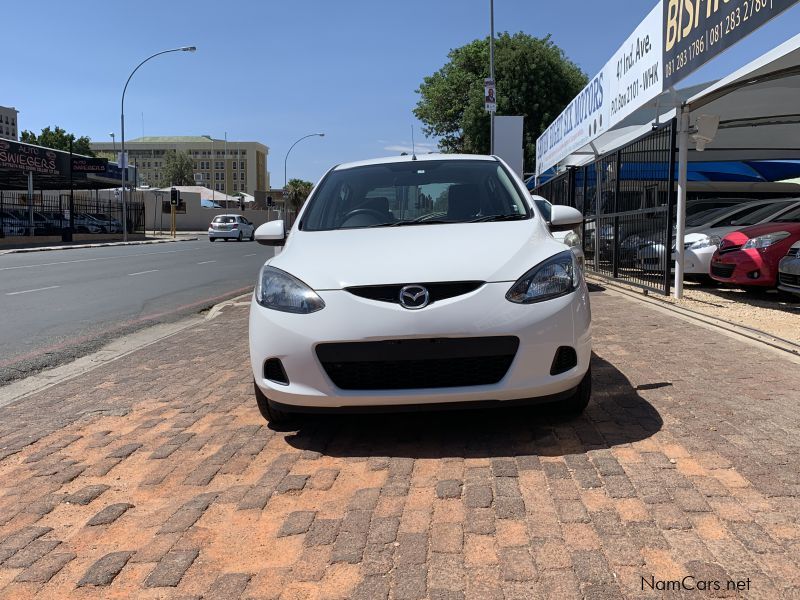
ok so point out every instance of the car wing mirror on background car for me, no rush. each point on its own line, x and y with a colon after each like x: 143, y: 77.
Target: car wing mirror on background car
x: 271, y: 233
x: 563, y: 218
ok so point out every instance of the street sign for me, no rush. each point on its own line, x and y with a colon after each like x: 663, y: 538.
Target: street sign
x: 489, y: 94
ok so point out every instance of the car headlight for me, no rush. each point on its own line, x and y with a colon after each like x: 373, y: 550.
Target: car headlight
x: 763, y: 241
x: 573, y: 240
x: 557, y: 276
x: 278, y: 290
x: 705, y: 242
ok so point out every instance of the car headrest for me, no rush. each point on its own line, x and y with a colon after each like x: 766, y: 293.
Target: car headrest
x: 379, y: 204
x: 463, y: 201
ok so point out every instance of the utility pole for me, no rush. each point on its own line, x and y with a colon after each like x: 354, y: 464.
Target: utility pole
x: 491, y: 72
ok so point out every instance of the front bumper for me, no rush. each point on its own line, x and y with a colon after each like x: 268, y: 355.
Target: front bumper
x: 743, y: 267
x: 541, y: 328
x: 789, y: 274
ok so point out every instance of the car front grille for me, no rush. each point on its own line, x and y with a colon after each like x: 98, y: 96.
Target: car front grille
x: 418, y: 363
x: 437, y: 291
x: 789, y: 279
x: 724, y: 248
x: 722, y: 270
x: 793, y: 252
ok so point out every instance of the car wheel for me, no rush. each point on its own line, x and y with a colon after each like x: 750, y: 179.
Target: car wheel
x: 210, y: 239
x: 575, y: 404
x: 276, y: 418
x: 239, y: 239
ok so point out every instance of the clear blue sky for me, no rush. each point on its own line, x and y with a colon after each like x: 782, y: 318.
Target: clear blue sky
x: 273, y: 71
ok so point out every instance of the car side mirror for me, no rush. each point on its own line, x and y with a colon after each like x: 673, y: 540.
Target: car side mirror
x: 271, y: 233
x: 563, y: 218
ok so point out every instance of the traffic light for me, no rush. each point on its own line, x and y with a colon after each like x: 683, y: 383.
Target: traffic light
x: 269, y: 200
x: 174, y: 197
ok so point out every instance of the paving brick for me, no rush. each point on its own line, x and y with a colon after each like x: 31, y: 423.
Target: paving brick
x: 292, y: 483
x: 383, y: 530
x: 504, y: 467
x: 372, y: 587
x: 322, y: 532
x: 349, y: 547
x: 509, y: 508
x: 365, y: 499
x: 106, y: 569
x: 480, y: 521
x: 412, y: 548
x: 478, y: 496
x: 45, y: 569
x: 297, y: 522
x: 447, y: 538
x: 86, y: 494
x: 409, y: 582
x: 30, y: 553
x: 450, y: 488
x: 516, y: 564
x: 124, y: 451
x: 170, y: 569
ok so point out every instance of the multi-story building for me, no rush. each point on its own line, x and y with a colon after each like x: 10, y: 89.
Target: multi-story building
x: 222, y: 166
x: 8, y: 123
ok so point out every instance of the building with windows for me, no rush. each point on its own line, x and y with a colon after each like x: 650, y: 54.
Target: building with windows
x: 8, y: 123
x: 227, y: 167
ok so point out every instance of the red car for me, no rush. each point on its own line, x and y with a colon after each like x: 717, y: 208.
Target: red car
x: 750, y: 256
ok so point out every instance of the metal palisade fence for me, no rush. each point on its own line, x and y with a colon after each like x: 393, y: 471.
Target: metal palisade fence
x: 627, y: 198
x: 48, y: 213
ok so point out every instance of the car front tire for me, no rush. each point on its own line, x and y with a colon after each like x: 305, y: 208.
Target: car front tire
x: 210, y: 239
x: 577, y: 403
x: 276, y: 418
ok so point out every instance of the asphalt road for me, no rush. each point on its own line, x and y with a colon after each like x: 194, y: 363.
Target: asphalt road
x: 61, y: 304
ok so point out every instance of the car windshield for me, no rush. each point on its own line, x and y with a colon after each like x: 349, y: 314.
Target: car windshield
x: 793, y: 216
x: 756, y: 216
x: 224, y: 220
x: 706, y: 216
x: 421, y: 192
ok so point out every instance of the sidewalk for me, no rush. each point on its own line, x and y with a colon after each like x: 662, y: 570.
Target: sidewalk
x: 182, y: 236
x: 155, y: 477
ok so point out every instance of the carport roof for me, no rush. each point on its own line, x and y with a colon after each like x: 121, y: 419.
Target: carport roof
x: 758, y: 107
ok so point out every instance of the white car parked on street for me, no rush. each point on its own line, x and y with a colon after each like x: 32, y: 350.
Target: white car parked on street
x: 420, y: 282
x: 231, y: 227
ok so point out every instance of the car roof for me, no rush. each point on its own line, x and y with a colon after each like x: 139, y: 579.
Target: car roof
x: 409, y: 158
x: 227, y: 215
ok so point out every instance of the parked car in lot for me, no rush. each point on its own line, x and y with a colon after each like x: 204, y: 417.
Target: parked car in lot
x: 12, y: 224
x: 383, y: 297
x: 569, y: 237
x: 704, y: 230
x: 109, y: 224
x: 750, y: 256
x: 789, y: 270
x: 230, y: 227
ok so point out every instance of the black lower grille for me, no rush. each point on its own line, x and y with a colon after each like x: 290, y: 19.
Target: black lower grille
x: 722, y: 270
x: 789, y: 279
x: 565, y: 359
x: 418, y: 363
x: 725, y: 248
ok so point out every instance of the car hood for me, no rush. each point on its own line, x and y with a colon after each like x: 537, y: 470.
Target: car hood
x: 416, y: 254
x: 765, y: 228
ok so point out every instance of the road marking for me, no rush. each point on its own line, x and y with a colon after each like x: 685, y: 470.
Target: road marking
x: 205, y: 262
x: 51, y: 287
x: 64, y: 262
x: 246, y: 255
x: 143, y: 272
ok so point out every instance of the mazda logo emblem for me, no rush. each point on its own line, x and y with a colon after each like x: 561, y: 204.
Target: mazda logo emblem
x: 414, y: 297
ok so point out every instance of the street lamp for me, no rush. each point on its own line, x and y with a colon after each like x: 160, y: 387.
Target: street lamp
x: 113, y: 141
x: 286, y: 181
x: 122, y: 132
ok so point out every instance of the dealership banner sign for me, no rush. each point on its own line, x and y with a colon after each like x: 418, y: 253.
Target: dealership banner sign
x: 22, y: 157
x: 675, y: 38
x: 82, y: 164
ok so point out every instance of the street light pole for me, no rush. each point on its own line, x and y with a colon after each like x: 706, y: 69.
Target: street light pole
x: 285, y: 180
x: 113, y: 142
x: 122, y: 133
x: 491, y: 72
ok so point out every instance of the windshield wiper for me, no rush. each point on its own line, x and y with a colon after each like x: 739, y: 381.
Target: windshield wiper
x: 414, y: 222
x: 486, y: 218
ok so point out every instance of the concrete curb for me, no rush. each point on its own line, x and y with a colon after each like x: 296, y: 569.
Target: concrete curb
x: 98, y: 245
x: 114, y: 350
x: 750, y: 334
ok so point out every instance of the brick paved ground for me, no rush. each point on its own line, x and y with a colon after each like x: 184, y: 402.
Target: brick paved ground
x: 156, y: 477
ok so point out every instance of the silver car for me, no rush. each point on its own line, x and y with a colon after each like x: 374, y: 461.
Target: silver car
x: 231, y: 227
x: 789, y: 270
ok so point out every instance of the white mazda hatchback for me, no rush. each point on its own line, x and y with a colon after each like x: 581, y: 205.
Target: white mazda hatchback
x: 420, y: 282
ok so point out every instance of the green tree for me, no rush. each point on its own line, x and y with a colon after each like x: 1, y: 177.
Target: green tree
x: 297, y: 190
x: 533, y: 76
x: 58, y: 139
x: 178, y: 169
